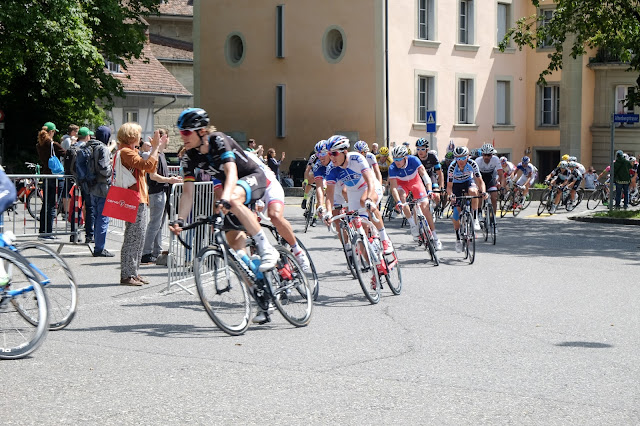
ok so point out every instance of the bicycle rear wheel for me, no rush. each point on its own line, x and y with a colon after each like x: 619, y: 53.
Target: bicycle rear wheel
x: 388, y: 208
x: 427, y: 239
x: 393, y: 276
x: 290, y: 289
x: 24, y: 319
x: 518, y: 204
x: 222, y: 291
x: 471, y: 240
x: 594, y: 199
x: 504, y: 197
x: 527, y: 201
x: 313, y: 275
x: 485, y: 221
x: 34, y: 203
x: 507, y: 205
x: 58, y: 281
x: 366, y: 270
x: 310, y: 211
x: 492, y: 224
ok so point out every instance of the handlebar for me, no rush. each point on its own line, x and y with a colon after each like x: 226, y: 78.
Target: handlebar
x: 215, y: 220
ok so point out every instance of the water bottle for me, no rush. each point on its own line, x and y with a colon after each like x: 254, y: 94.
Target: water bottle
x: 244, y: 257
x: 255, y: 266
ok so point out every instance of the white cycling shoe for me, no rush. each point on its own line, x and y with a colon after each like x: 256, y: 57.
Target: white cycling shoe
x: 458, y: 246
x: 414, y: 232
x: 303, y: 260
x: 476, y: 225
x: 387, y: 246
x: 268, y: 259
x: 263, y: 316
x: 438, y: 245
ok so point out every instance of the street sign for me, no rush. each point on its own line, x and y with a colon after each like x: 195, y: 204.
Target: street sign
x: 626, y: 118
x: 431, y: 121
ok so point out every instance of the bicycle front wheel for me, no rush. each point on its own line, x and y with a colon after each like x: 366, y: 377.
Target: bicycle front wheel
x: 24, y: 319
x: 366, y: 269
x: 485, y: 222
x: 508, y: 205
x: 56, y: 278
x: 471, y: 240
x: 393, y: 276
x: 313, y: 275
x: 290, y: 289
x: 309, y: 213
x: 492, y: 224
x: 427, y: 238
x: 222, y: 291
x: 34, y: 203
x: 594, y: 199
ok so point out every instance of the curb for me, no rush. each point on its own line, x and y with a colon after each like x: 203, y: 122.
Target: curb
x: 609, y: 220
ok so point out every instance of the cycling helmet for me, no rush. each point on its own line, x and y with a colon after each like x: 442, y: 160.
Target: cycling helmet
x: 405, y: 143
x: 461, y: 151
x: 433, y: 152
x: 633, y: 159
x: 503, y: 159
x: 564, y: 164
x: 573, y: 159
x: 487, y: 148
x: 193, y: 119
x: 399, y: 152
x: 565, y: 157
x: 572, y: 164
x: 384, y: 151
x: 321, y: 146
x: 361, y: 146
x: 525, y: 160
x: 477, y: 152
x: 422, y: 143
x: 449, y: 155
x: 337, y: 143
x: 451, y: 146
x: 495, y: 151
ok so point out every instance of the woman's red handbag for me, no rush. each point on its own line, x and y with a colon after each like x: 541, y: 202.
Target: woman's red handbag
x: 121, y: 203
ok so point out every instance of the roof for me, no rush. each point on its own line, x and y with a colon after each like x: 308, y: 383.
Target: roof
x: 176, y: 7
x: 170, y: 49
x: 150, y: 77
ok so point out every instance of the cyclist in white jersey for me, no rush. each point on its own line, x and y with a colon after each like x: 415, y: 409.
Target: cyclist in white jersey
x: 363, y: 189
x: 464, y: 175
x: 526, y: 174
x: 491, y: 171
x: 508, y: 170
x: 363, y: 148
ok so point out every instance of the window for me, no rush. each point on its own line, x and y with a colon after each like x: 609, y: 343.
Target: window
x: 280, y: 31
x: 545, y: 17
x: 113, y: 67
x: 281, y: 131
x: 503, y: 102
x: 621, y: 94
x: 465, y: 101
x: 234, y: 49
x: 426, y: 19
x: 504, y: 21
x: 131, y: 116
x: 465, y: 29
x: 550, y: 111
x: 333, y: 44
x: 426, y: 98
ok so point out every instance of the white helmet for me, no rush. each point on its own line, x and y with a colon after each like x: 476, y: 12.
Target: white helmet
x: 487, y: 148
x: 399, y: 152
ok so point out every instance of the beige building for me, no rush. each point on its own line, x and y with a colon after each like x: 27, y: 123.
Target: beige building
x: 289, y: 73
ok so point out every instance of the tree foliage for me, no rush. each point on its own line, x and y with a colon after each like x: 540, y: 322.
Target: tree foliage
x: 52, y: 59
x: 610, y: 26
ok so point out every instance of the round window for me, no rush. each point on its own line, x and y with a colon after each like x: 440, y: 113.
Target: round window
x: 234, y: 49
x: 334, y: 44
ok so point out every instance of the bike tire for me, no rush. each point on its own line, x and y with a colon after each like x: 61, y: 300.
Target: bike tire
x: 290, y: 289
x: 366, y: 271
x: 544, y: 201
x: 309, y: 213
x: 527, y: 201
x: 503, y: 200
x: 348, y: 253
x: 393, y: 277
x: 516, y: 208
x: 34, y: 203
x: 24, y: 318
x: 222, y: 291
x: 427, y: 240
x: 61, y: 288
x: 485, y: 222
x: 595, y: 199
x: 507, y: 206
x: 471, y: 240
x: 492, y: 224
x: 388, y: 208
x: 313, y: 275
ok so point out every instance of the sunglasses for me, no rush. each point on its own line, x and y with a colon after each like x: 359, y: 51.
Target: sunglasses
x: 462, y: 158
x: 335, y: 153
x: 189, y: 131
x: 421, y: 149
x: 321, y: 154
x: 487, y: 155
x: 398, y: 159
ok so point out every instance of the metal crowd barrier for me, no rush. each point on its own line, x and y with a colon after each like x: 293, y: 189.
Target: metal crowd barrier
x: 180, y: 259
x: 30, y: 206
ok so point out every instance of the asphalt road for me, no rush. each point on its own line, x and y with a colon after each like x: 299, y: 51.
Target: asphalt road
x: 542, y: 329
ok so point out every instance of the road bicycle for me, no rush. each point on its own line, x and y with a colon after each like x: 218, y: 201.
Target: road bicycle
x: 549, y: 195
x: 348, y: 234
x: 439, y: 209
x: 516, y: 201
x: 224, y: 281
x: 24, y: 315
x: 310, y: 211
x: 488, y: 222
x: 53, y: 274
x: 370, y: 263
x: 425, y: 234
x: 389, y: 208
x: 599, y: 195
x: 467, y: 232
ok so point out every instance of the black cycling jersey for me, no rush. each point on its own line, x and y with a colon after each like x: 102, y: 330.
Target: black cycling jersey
x: 312, y: 160
x: 431, y: 165
x: 562, y: 175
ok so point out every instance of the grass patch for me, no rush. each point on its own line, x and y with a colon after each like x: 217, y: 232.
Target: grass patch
x: 620, y: 214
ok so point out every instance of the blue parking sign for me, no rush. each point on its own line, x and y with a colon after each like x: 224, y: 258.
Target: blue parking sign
x: 431, y: 121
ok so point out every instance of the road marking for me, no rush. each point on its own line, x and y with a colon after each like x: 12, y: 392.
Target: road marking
x: 541, y: 215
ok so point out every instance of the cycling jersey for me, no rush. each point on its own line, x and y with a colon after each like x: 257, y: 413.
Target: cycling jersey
x: 489, y: 171
x: 371, y: 159
x: 562, y: 175
x: 351, y: 174
x: 431, y: 165
x: 383, y: 162
x: 575, y: 176
x: 527, y: 170
x: 408, y: 178
x: 312, y: 160
x: 319, y: 174
x: 468, y: 172
x: 508, y: 168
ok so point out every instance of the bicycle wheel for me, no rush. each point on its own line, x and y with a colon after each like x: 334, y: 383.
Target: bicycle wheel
x: 388, y: 208
x: 310, y: 211
x: 503, y: 200
x: 463, y: 236
x: 365, y: 269
x: 24, y: 319
x: 579, y: 196
x: 518, y: 204
x: 393, y: 276
x: 594, y: 199
x: 427, y: 239
x: 485, y: 221
x: 527, y: 201
x: 34, y: 203
x: 544, y: 200
x: 222, y: 291
x: 492, y: 224
x: 348, y: 253
x: 57, y: 280
x: 471, y: 240
x: 507, y: 206
x: 313, y: 275
x: 290, y: 289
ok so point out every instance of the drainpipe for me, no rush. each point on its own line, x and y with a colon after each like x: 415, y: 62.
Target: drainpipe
x: 175, y: 98
x: 386, y: 63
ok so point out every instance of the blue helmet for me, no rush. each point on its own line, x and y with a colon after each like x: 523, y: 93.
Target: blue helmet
x: 337, y: 143
x: 193, y: 119
x: 525, y: 160
x: 422, y: 142
x: 321, y: 146
x: 361, y: 146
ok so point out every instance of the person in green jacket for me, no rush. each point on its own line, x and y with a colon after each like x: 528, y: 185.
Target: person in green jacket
x: 622, y: 178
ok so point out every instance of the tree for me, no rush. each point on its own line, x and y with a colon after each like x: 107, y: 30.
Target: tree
x: 611, y: 26
x: 52, y: 61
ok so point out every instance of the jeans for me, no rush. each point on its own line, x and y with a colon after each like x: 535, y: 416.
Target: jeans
x: 89, y: 214
x: 153, y: 236
x: 50, y: 189
x: 622, y: 187
x: 101, y: 223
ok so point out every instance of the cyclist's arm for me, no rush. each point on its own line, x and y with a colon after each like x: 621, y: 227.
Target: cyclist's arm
x: 480, y: 184
x: 426, y: 180
x: 186, y: 200
x: 319, y: 191
x: 376, y: 171
x: 370, y: 193
x: 328, y: 202
x: 231, y: 180
x: 393, y: 185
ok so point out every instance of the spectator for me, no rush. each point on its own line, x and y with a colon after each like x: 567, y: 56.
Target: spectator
x: 98, y: 191
x: 590, y: 178
x: 145, y: 149
x: 260, y: 154
x: 71, y: 137
x: 134, y: 233
x: 158, y: 182
x: 251, y: 145
x: 84, y: 138
x: 45, y: 147
x: 274, y: 164
x: 621, y: 177
x: 374, y: 148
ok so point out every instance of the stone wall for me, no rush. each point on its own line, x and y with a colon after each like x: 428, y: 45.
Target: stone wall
x: 168, y: 117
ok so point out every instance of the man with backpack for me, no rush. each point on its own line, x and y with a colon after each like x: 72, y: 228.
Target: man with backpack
x: 81, y: 168
x: 102, y: 170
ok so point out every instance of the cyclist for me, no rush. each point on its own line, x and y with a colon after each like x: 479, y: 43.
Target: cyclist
x: 508, y: 170
x: 384, y: 161
x: 243, y: 182
x: 407, y: 145
x: 491, y: 170
x: 363, y: 189
x: 408, y: 173
x: 574, y: 180
x: 429, y: 160
x: 308, y: 177
x: 362, y: 148
x: 558, y: 176
x: 526, y: 174
x: 464, y: 175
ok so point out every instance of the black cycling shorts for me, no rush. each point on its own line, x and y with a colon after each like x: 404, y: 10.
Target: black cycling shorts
x: 254, y: 186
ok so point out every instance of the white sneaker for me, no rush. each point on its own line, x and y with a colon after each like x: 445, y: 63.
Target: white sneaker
x: 476, y: 225
x: 554, y: 207
x: 438, y: 245
x: 303, y: 260
x: 458, y: 246
x: 414, y: 232
x: 268, y: 259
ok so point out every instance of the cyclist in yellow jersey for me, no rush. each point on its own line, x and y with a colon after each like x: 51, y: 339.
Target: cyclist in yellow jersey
x: 384, y: 161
